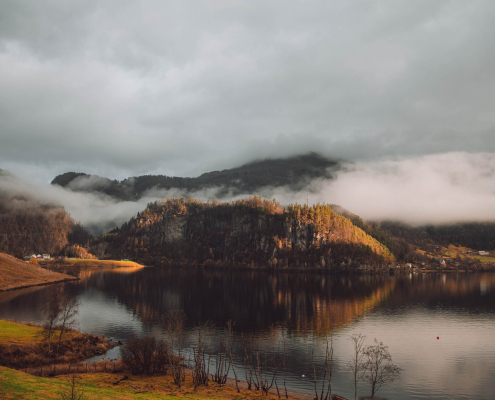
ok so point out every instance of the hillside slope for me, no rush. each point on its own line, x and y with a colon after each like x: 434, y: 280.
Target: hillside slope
x: 29, y: 226
x: 250, y: 232
x: 16, y: 274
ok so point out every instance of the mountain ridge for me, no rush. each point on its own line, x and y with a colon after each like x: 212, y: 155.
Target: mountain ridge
x: 293, y: 172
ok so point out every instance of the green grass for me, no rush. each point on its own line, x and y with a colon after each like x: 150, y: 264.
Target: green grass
x: 22, y: 333
x: 484, y: 258
x: 99, y: 263
x: 18, y: 385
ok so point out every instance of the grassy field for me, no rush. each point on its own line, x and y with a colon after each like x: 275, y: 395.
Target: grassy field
x: 18, y: 385
x: 10, y: 331
x: 101, y: 263
x: 26, y: 334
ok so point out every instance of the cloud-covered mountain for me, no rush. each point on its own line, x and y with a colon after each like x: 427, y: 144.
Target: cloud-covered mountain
x: 293, y: 173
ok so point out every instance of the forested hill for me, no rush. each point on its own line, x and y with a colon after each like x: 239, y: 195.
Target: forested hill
x: 294, y: 173
x: 474, y: 235
x: 28, y: 226
x: 403, y: 240
x: 250, y: 232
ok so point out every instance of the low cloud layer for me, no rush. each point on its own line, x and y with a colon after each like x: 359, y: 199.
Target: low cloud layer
x: 122, y: 89
x: 98, y: 213
x: 436, y: 189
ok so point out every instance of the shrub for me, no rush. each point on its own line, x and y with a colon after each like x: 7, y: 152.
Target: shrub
x: 145, y: 355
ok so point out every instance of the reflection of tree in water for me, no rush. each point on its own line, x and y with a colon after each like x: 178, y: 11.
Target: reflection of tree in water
x: 254, y: 300
x: 31, y: 304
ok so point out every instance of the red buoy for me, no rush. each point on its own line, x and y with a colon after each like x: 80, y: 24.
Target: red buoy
x: 438, y: 337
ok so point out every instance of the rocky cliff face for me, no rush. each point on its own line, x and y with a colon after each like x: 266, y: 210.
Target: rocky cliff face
x: 252, y: 232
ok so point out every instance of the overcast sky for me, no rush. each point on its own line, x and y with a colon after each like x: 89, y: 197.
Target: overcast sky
x: 121, y: 88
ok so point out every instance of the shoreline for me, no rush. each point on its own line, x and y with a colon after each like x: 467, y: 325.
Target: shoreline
x: 96, y: 385
x: 71, y: 279
x: 28, y: 345
x: 339, y: 271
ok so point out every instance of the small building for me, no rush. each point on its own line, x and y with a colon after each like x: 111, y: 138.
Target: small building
x: 483, y: 253
x: 46, y: 256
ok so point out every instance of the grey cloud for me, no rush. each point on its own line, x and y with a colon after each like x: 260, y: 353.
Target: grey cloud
x: 123, y: 88
x: 435, y: 189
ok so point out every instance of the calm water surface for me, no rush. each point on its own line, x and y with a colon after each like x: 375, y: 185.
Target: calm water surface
x: 407, y: 313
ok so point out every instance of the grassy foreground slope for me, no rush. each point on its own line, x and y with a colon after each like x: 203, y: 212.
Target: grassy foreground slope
x: 18, y: 385
x: 21, y: 333
x: 16, y: 274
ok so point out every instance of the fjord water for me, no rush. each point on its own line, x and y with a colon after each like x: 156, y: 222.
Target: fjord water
x: 406, y: 312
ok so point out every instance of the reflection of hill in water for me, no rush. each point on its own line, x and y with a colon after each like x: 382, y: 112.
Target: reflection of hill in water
x: 257, y: 300
x: 458, y: 291
x: 254, y: 300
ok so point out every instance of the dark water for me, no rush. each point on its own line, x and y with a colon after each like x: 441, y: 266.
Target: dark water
x: 407, y: 313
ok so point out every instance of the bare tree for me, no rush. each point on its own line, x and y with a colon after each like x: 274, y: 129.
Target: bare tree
x: 222, y: 362
x: 284, y: 364
x: 379, y: 369
x: 326, y: 381
x: 73, y: 391
x: 68, y: 310
x: 145, y: 355
x: 266, y: 370
x: 176, y: 320
x: 248, y: 361
x: 230, y: 345
x: 261, y: 369
x: 356, y: 365
x: 200, y: 367
x: 52, y: 317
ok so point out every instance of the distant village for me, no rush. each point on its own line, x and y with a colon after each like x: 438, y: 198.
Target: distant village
x: 464, y: 260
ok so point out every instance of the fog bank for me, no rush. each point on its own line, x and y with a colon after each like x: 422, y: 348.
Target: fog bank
x: 436, y: 189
